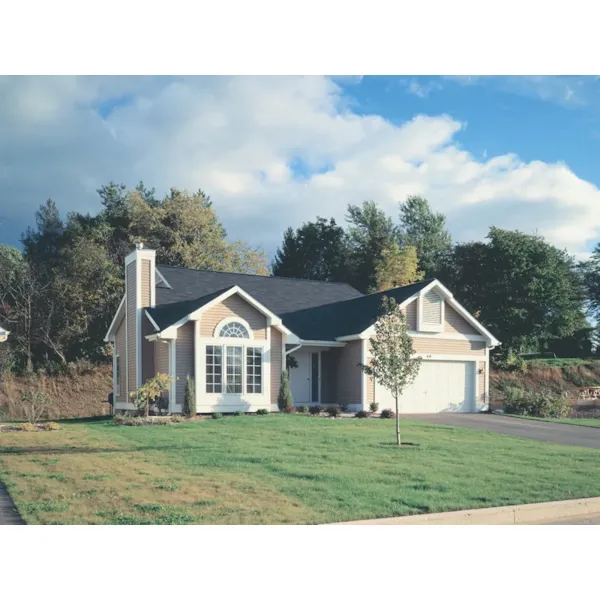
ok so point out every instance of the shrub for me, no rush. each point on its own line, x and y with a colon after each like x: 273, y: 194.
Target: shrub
x: 50, y: 426
x: 216, y: 415
x: 285, y: 398
x: 387, y: 413
x: 149, y: 393
x: 33, y: 405
x: 238, y: 413
x: 316, y: 409
x: 344, y: 408
x: 374, y: 407
x: 361, y: 414
x: 176, y: 419
x: 189, y: 398
x: 28, y: 427
x: 532, y: 403
x: 262, y: 411
x: 289, y: 410
x: 334, y: 410
x: 302, y: 409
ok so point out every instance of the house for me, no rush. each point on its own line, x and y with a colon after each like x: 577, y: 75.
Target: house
x: 233, y: 334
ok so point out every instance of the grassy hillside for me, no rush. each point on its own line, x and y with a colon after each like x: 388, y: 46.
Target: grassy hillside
x: 82, y: 392
x: 553, y: 374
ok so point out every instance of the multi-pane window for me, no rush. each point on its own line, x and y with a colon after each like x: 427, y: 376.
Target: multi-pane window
x: 253, y: 370
x: 234, y: 369
x: 234, y: 329
x: 214, y: 369
x: 228, y: 362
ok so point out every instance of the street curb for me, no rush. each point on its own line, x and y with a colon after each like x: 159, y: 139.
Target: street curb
x: 520, y: 514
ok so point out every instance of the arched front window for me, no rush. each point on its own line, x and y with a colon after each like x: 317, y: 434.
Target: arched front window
x: 234, y: 330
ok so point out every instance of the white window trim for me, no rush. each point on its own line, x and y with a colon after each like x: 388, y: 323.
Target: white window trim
x: 244, y: 343
x: 227, y: 321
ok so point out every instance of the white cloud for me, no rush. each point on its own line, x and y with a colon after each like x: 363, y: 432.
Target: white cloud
x: 237, y: 139
x: 422, y: 90
x: 566, y: 90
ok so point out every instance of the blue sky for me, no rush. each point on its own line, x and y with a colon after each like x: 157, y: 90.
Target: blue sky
x: 515, y: 152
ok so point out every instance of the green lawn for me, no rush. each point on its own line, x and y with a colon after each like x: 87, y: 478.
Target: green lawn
x: 580, y: 421
x: 279, y: 469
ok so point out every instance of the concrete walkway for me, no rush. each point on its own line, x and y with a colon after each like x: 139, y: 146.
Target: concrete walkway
x: 559, y: 433
x: 8, y: 512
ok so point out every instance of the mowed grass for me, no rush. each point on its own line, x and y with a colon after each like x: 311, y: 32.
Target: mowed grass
x: 280, y: 469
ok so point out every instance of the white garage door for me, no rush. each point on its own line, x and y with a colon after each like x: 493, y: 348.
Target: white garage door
x: 440, y: 386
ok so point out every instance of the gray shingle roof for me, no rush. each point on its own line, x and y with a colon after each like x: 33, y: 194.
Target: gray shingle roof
x: 165, y: 315
x: 280, y: 295
x: 349, y: 317
x: 313, y: 310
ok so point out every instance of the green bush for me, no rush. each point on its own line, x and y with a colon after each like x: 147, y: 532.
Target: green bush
x: 532, y: 403
x: 374, y: 407
x: 285, y: 398
x: 315, y: 409
x: 189, y: 398
x: 334, y: 410
x: 289, y: 410
x: 361, y: 414
x: 302, y: 409
x: 216, y: 415
x: 262, y: 411
x: 238, y: 413
x: 344, y: 408
x: 387, y: 413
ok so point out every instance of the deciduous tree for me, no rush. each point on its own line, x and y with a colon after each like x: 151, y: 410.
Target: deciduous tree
x: 392, y: 363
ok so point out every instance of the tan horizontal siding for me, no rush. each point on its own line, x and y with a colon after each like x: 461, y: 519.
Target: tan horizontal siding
x: 120, y: 350
x: 184, y: 358
x: 439, y: 346
x: 454, y: 323
x: 276, y: 363
x: 161, y: 359
x: 349, y: 382
x: 410, y: 312
x: 370, y: 390
x: 131, y: 329
x: 148, y: 369
x: 234, y: 306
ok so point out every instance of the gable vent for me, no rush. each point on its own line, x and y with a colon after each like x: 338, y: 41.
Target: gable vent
x: 432, y: 309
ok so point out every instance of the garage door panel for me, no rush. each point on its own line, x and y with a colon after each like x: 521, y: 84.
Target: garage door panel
x: 440, y: 386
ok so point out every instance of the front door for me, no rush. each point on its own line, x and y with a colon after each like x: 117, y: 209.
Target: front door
x: 315, y: 377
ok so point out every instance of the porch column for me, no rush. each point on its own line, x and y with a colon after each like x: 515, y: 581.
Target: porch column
x: 173, y: 374
x: 197, y: 363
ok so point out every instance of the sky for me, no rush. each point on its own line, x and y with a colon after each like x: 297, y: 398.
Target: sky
x: 272, y: 152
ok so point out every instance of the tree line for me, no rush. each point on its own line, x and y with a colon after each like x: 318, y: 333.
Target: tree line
x: 59, y: 293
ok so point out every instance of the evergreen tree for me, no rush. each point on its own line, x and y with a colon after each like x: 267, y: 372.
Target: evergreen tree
x: 426, y: 231
x: 189, y: 398
x: 285, y: 398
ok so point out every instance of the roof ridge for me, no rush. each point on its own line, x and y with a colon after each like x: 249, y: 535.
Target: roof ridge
x: 254, y: 275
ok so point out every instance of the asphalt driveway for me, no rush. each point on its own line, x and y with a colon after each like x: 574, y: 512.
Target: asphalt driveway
x: 571, y: 435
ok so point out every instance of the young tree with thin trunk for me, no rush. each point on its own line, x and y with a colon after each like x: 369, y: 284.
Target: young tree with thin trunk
x: 392, y: 364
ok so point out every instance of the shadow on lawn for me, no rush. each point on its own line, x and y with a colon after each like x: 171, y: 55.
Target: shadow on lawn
x: 75, y: 450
